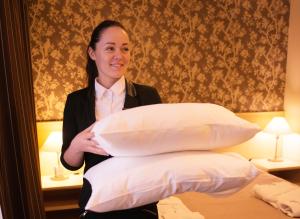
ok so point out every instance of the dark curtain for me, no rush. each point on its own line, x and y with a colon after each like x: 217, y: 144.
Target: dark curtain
x: 20, y: 186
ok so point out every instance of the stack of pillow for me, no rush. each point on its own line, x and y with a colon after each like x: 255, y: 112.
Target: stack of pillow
x: 164, y: 149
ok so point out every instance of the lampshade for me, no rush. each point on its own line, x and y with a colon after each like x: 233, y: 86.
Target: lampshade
x: 278, y: 126
x: 53, y: 142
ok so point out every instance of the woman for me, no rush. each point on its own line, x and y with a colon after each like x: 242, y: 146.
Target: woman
x: 108, y: 91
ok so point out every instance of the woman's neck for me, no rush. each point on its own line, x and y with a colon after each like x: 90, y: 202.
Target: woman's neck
x: 107, y: 83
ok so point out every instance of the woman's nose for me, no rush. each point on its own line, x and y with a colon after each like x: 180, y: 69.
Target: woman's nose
x: 118, y: 54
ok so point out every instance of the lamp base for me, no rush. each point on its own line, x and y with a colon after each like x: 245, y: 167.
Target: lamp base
x: 58, y: 178
x: 59, y: 174
x: 275, y: 160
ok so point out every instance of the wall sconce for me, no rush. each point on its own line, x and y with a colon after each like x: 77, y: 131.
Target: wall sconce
x: 53, y: 144
x: 278, y: 126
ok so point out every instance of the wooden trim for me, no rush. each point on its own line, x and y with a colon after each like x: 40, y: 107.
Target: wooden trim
x: 261, y: 118
x: 61, y: 199
x: 20, y: 186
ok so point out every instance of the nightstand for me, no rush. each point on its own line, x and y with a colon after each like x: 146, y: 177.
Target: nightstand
x: 286, y: 169
x: 61, y: 196
x: 73, y: 180
x: 269, y: 166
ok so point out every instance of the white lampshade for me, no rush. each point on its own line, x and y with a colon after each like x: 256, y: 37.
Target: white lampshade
x: 278, y: 126
x: 53, y: 142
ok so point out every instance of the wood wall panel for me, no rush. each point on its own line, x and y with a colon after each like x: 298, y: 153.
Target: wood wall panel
x: 20, y: 191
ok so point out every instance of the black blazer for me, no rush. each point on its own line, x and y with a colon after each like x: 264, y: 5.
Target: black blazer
x: 79, y: 113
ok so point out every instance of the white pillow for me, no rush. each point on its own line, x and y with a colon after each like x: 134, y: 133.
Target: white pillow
x: 160, y: 128
x: 126, y: 182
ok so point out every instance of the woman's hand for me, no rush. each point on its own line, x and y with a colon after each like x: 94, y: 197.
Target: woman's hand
x: 83, y: 142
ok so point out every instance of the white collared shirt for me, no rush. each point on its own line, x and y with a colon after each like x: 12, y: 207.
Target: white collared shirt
x: 110, y: 100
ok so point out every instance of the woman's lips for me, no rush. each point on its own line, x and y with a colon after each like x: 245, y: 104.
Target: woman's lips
x: 116, y: 66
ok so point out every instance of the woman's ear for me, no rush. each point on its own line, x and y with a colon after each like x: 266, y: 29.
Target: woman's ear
x: 91, y: 53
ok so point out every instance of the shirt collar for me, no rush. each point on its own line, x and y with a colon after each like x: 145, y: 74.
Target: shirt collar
x: 117, y: 88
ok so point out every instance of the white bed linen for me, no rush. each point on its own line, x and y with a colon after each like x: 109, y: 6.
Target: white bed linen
x: 126, y: 182
x: 283, y: 195
x: 173, y: 208
x: 161, y: 128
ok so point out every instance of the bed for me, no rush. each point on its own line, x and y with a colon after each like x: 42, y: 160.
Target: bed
x: 240, y: 205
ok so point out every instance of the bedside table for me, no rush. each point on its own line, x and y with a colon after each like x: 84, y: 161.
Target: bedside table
x: 72, y: 180
x: 269, y: 166
x: 286, y: 169
x: 61, y: 196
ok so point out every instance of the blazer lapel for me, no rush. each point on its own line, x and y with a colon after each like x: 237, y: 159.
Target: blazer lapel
x: 131, y: 99
x: 89, y: 108
x: 130, y: 102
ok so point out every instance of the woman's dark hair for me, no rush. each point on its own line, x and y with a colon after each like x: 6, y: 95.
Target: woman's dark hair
x: 91, y: 67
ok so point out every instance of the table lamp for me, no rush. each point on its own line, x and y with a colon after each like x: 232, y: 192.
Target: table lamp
x: 277, y: 126
x: 53, y: 144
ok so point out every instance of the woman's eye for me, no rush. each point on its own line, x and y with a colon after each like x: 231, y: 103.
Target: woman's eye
x: 125, y: 49
x: 109, y: 48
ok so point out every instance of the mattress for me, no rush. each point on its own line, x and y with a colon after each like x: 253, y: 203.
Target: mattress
x: 240, y: 205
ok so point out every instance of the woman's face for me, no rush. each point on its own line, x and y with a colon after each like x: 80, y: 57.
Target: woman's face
x: 111, y: 55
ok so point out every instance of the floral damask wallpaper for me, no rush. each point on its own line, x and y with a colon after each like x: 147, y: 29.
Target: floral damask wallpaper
x: 228, y: 52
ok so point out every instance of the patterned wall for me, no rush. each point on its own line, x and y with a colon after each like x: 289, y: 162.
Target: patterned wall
x: 229, y: 52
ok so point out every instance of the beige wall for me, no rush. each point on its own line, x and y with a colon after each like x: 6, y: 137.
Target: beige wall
x: 292, y: 92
